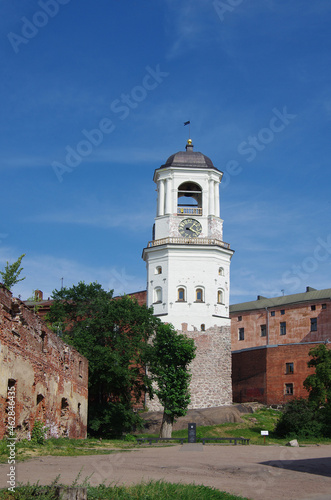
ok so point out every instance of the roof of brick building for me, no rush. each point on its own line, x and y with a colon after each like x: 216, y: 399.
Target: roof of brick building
x: 309, y: 295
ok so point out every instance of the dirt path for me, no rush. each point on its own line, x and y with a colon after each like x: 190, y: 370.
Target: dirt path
x: 257, y: 472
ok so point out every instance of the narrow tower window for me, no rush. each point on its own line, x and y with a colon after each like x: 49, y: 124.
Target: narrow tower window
x: 199, y: 295
x: 181, y: 295
x: 221, y: 271
x: 158, y: 270
x: 220, y: 297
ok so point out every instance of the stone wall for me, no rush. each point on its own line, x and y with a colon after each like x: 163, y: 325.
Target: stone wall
x: 211, y: 384
x: 50, y: 377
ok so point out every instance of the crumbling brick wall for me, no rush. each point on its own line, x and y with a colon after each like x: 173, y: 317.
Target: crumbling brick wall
x: 49, y: 376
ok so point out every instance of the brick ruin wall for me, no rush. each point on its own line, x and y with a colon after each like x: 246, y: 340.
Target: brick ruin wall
x: 211, y: 384
x: 50, y: 377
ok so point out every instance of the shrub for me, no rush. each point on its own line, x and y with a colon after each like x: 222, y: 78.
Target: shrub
x: 38, y: 432
x: 130, y: 438
x: 299, y: 420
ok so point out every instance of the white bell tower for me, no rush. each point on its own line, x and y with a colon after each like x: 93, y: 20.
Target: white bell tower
x: 188, y: 263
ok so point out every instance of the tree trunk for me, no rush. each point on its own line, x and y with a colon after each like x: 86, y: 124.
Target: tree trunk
x: 166, y: 426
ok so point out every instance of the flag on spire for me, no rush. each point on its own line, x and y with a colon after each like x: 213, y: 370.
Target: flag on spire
x: 187, y: 123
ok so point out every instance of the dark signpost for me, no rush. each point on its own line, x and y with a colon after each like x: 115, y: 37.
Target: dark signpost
x: 192, y: 433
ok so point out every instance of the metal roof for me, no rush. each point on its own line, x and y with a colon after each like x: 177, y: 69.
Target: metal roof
x: 189, y: 159
x: 262, y: 302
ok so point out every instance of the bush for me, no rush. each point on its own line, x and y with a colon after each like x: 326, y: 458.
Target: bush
x: 130, y: 438
x: 38, y: 432
x: 299, y: 420
x: 325, y: 418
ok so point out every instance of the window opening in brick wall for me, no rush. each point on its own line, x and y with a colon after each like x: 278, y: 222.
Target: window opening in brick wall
x: 282, y: 312
x: 263, y: 330
x: 11, y: 383
x: 313, y: 308
x: 203, y: 327
x: 289, y: 368
x: 64, y: 407
x: 313, y: 324
x: 80, y: 369
x: 289, y: 389
x: 240, y: 318
x: 43, y: 336
x: 40, y: 398
x: 11, y: 403
x: 323, y: 306
x: 78, y: 409
x: 272, y: 313
x: 283, y: 328
x: 241, y: 334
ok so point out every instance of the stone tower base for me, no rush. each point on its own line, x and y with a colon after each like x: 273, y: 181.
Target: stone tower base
x: 211, y: 384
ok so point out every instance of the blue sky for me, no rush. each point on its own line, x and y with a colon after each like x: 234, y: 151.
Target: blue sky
x: 93, y: 99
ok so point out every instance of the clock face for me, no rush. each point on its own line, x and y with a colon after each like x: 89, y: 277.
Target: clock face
x: 190, y: 228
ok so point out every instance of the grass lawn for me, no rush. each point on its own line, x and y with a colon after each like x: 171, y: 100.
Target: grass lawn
x: 153, y: 490
x: 250, y: 428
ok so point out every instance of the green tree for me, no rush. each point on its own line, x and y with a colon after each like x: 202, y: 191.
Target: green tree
x: 113, y: 335
x: 169, y: 356
x: 319, y: 384
x: 10, y: 276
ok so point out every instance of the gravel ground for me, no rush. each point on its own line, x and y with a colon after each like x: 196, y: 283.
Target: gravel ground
x: 257, y: 472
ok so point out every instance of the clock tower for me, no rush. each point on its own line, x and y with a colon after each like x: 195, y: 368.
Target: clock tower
x: 188, y: 263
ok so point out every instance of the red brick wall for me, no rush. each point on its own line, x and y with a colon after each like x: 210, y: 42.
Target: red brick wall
x: 249, y: 376
x: 277, y: 378
x: 140, y: 296
x: 297, y: 318
x: 51, y: 377
x: 260, y: 374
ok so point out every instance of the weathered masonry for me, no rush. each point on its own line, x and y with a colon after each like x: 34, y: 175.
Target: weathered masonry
x: 48, y: 377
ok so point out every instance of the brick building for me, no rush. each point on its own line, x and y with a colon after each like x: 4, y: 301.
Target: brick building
x: 50, y: 378
x: 271, y: 339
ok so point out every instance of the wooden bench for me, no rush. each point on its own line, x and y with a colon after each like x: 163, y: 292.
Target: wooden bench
x: 230, y: 440
x: 156, y: 440
x: 235, y: 440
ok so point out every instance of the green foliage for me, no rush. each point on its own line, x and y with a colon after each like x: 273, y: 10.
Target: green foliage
x: 319, y: 384
x: 153, y: 490
x: 129, y: 438
x: 38, y: 432
x: 168, y: 358
x: 10, y: 276
x: 299, y: 420
x: 113, y: 335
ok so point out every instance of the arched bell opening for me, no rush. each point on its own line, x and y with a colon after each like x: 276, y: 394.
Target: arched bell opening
x: 189, y: 200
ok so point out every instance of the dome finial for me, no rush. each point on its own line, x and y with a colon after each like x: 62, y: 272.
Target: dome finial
x: 189, y: 145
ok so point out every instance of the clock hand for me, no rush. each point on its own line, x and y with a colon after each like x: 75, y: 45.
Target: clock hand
x: 194, y: 231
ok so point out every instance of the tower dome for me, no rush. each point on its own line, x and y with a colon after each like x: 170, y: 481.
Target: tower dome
x: 189, y: 159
